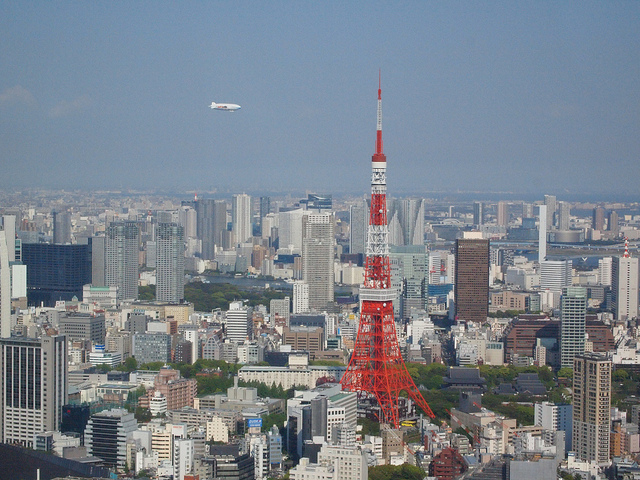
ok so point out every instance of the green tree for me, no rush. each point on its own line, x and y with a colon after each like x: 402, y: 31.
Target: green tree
x: 129, y: 365
x: 143, y: 415
x: 400, y: 472
x: 147, y: 292
x: 565, y: 372
x: 620, y: 375
x: 272, y: 419
x: 369, y: 427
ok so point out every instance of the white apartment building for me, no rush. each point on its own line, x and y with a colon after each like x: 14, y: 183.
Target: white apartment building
x: 217, y: 430
x: 300, y: 297
x: 350, y: 463
x: 287, y: 377
x: 183, y: 455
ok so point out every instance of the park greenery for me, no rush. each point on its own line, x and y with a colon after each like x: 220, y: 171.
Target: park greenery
x: 429, y: 378
x: 369, y: 427
x: 207, y: 297
x: 393, y: 472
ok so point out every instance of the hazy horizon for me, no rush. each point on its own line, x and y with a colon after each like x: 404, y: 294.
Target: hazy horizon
x: 530, y: 98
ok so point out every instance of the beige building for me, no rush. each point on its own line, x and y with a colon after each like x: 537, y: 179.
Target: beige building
x: 180, y: 312
x: 307, y: 339
x: 592, y: 407
x: 509, y: 300
x: 290, y: 376
x: 179, y: 392
x: 217, y: 430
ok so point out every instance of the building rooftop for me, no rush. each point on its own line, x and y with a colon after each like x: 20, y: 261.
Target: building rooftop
x: 462, y: 376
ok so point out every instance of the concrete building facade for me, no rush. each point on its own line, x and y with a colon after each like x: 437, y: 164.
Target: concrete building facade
x: 592, y: 407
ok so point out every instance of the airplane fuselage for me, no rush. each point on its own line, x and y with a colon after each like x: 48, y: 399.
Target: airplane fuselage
x: 229, y: 107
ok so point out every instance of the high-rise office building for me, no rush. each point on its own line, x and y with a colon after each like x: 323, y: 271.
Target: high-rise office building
x: 542, y: 234
x: 5, y: 288
x: 82, y: 326
x: 151, y: 347
x: 478, y: 213
x: 472, y: 279
x: 564, y: 215
x: 290, y: 228
x: 555, y: 275
x: 281, y: 308
x: 61, y: 227
x: 597, y: 222
x: 121, y: 258
x: 613, y: 224
x: 409, y: 277
x: 239, y: 326
x: 592, y: 407
x: 98, y: 262
x: 33, y: 387
x: 188, y: 218
x: 605, y: 265
x: 56, y: 272
x: 624, y: 286
x: 503, y: 214
x: 106, y: 436
x: 241, y: 218
x: 205, y: 213
x: 170, y: 263
x: 8, y: 223
x: 406, y: 224
x: 265, y: 208
x: 152, y: 254
x: 573, y: 324
x: 220, y: 224
x: 317, y: 258
x: 550, y: 202
x: 211, y: 225
x: 358, y: 224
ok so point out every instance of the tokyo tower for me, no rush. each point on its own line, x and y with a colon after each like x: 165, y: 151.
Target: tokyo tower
x: 376, y: 366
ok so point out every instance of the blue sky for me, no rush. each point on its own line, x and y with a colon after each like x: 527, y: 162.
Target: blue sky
x: 477, y: 96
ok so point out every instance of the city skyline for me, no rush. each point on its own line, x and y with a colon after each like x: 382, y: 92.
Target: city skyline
x: 479, y: 97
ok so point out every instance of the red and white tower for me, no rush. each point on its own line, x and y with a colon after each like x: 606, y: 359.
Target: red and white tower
x: 376, y: 366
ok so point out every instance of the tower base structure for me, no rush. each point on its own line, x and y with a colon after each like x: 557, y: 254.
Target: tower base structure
x: 377, y: 367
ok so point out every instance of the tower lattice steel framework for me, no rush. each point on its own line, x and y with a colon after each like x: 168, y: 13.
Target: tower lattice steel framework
x: 376, y: 366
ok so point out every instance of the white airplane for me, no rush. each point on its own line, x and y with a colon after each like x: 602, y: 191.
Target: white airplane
x: 229, y: 107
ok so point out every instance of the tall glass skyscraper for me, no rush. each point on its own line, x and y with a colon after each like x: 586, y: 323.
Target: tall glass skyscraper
x: 56, y: 272
x: 409, y: 276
